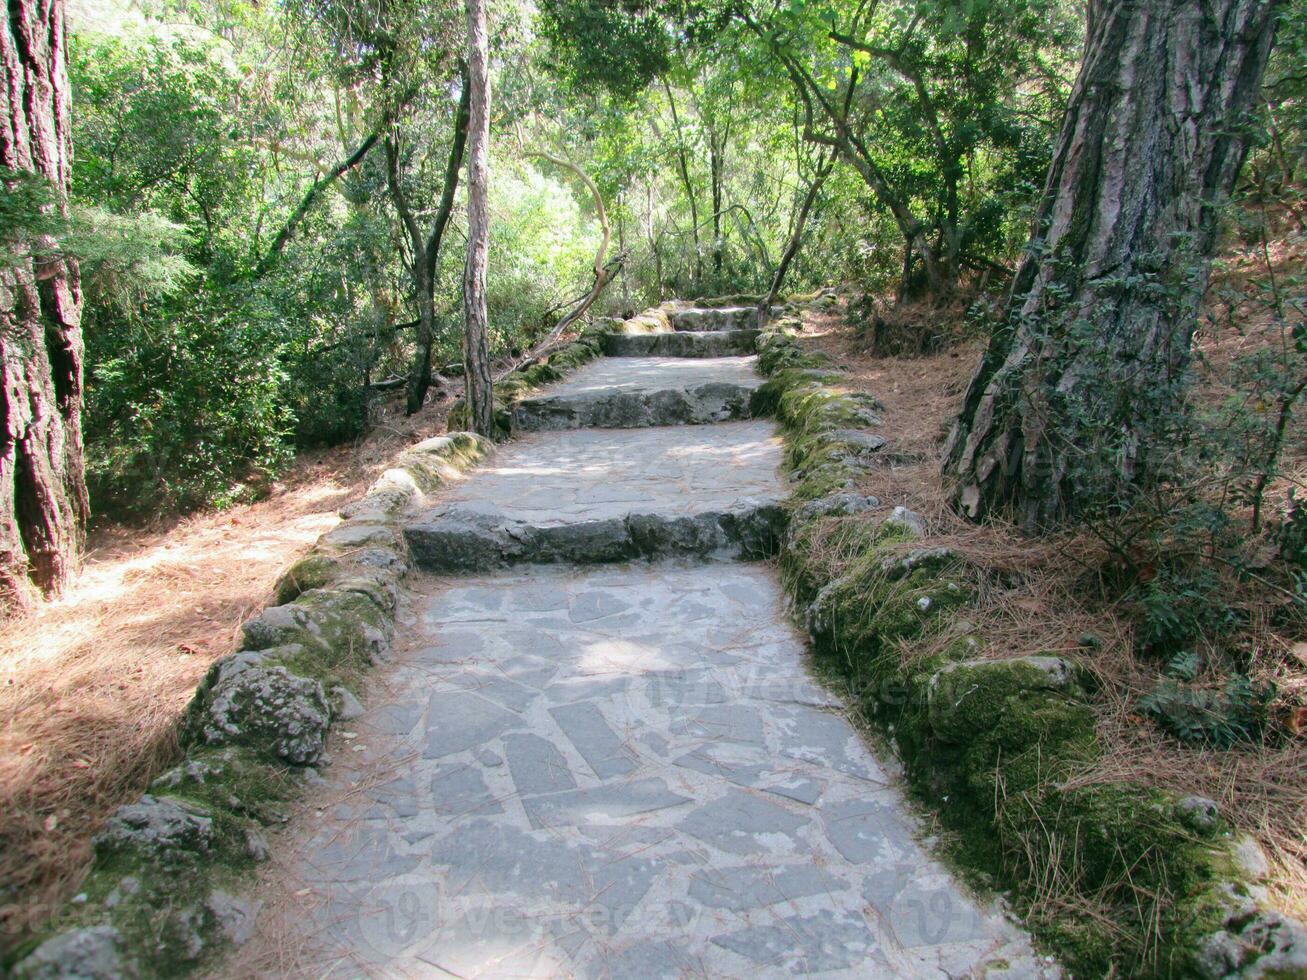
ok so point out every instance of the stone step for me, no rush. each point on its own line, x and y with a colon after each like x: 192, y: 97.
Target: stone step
x: 597, y: 495
x: 638, y: 392
x: 707, y: 343
x: 466, y: 540
x: 715, y: 318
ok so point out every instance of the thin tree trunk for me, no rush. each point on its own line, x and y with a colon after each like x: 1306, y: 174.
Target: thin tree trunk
x: 43, y: 502
x: 715, y: 170
x: 319, y: 185
x: 1074, y: 394
x: 683, y: 168
x: 824, y: 168
x: 601, y: 274
x: 476, y: 347
x: 420, y: 377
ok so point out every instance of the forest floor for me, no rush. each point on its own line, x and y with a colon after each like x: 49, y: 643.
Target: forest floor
x: 93, y: 683
x: 1047, y: 595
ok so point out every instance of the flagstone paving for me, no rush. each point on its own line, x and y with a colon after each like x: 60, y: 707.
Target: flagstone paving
x: 618, y: 770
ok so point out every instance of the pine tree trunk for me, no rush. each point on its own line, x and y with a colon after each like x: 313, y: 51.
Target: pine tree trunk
x: 43, y: 503
x: 1073, y: 395
x: 476, y: 349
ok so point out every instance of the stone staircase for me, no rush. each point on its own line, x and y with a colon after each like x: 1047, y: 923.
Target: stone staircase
x: 588, y: 765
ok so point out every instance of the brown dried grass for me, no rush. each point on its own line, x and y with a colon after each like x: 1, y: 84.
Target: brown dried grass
x: 1042, y: 595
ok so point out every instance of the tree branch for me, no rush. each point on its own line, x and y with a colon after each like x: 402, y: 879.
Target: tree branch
x: 319, y: 184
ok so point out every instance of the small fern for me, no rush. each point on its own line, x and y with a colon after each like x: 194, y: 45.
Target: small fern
x: 1215, y: 717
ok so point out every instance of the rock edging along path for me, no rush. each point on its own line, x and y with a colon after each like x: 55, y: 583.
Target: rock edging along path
x: 588, y: 766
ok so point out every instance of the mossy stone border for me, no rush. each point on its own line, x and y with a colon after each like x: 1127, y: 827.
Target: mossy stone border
x: 987, y: 742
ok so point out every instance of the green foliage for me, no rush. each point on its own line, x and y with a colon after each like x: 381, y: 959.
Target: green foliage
x: 1220, y: 717
x: 186, y: 410
x: 620, y: 46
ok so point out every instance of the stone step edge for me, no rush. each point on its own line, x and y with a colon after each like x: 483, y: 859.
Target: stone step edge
x: 708, y: 343
x: 611, y: 408
x: 462, y: 542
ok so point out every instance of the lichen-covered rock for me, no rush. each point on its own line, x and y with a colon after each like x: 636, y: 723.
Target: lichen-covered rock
x: 342, y: 624
x: 158, y: 828
x: 346, y: 706
x: 906, y: 521
x: 856, y: 443
x: 266, y: 707
x: 722, y: 343
x: 835, y: 505
x: 78, y: 954
x: 715, y: 318
x: 897, y: 566
x: 362, y: 534
x: 232, y: 915
x: 190, y: 772
x: 615, y: 408
x: 1198, y: 813
x: 1252, y: 946
x: 456, y: 539
x: 310, y: 572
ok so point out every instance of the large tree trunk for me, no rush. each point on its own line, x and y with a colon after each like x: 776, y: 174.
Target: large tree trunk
x: 43, y: 504
x: 1072, y: 398
x: 476, y: 348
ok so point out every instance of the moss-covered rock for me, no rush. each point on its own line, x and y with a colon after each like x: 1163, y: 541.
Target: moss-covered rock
x: 162, y: 895
x: 337, y: 630
x: 976, y: 696
x: 313, y: 571
x: 251, y: 700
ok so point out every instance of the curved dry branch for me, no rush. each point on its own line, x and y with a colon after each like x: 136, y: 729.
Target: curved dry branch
x: 602, y: 275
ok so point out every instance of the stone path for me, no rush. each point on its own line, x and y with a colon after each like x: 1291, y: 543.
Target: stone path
x: 620, y: 769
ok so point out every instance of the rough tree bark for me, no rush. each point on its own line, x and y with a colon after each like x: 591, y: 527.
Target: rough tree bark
x: 479, y: 393
x: 1070, y: 399
x: 43, y: 503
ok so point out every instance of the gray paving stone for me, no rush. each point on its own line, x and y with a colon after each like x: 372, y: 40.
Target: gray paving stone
x: 868, y: 832
x: 458, y: 721
x: 923, y: 910
x: 724, y: 722
x: 502, y: 690
x: 605, y: 804
x: 537, y: 766
x: 809, y: 944
x: 583, y: 723
x: 744, y: 823
x: 826, y: 738
x: 675, y: 801
x: 743, y: 888
x: 460, y: 790
x: 542, y: 872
